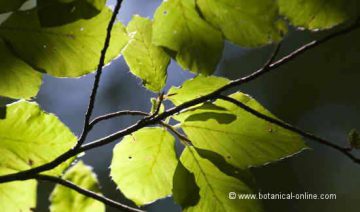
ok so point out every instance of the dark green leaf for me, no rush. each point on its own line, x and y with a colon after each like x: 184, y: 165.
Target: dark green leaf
x: 60, y: 12
x: 10, y: 5
x: 354, y: 139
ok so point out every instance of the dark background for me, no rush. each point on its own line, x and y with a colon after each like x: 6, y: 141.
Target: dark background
x: 319, y: 91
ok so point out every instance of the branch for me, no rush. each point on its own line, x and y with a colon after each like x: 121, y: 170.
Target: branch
x: 183, y: 139
x: 27, y: 174
x: 87, y: 193
x: 101, y: 64
x: 115, y: 114
x: 344, y: 150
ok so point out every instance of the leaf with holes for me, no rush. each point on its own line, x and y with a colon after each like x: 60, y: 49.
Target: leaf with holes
x: 179, y: 28
x: 143, y: 165
x: 147, y: 61
x: 71, y: 50
x: 65, y: 199
x: 30, y: 137
x: 240, y: 137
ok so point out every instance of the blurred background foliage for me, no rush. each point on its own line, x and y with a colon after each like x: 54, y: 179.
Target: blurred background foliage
x: 318, y: 91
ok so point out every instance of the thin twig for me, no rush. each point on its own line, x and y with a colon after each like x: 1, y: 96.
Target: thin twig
x: 183, y: 139
x: 159, y: 100
x: 101, y: 64
x: 273, y: 55
x: 116, y: 114
x: 87, y: 193
x: 22, y: 175
x: 344, y: 150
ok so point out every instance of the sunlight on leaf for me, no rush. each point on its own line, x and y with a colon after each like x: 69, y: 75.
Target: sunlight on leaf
x: 143, y: 165
x: 18, y: 196
x: 30, y: 137
x: 178, y: 27
x: 64, y: 199
x: 147, y: 61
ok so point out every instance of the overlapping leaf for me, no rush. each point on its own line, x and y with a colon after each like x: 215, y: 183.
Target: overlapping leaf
x: 243, y: 22
x: 215, y: 186
x: 18, y: 79
x: 65, y: 199
x: 178, y: 27
x: 29, y: 137
x: 147, y: 61
x: 59, y: 12
x: 143, y: 165
x: 241, y: 138
x: 71, y: 50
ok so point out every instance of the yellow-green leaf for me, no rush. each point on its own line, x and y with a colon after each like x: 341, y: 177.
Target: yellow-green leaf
x: 243, y: 22
x: 240, y: 137
x: 65, y: 199
x: 18, y: 79
x: 71, y: 50
x: 179, y: 28
x: 215, y: 186
x: 318, y: 14
x: 147, y: 61
x: 18, y: 196
x: 143, y: 165
x: 194, y: 88
x: 30, y: 137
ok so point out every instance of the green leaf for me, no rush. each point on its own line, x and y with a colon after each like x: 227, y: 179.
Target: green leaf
x: 318, y: 14
x: 178, y: 27
x: 147, y: 61
x: 18, y: 196
x: 18, y: 80
x: 243, y: 22
x: 68, y: 51
x: 143, y: 165
x: 354, y: 139
x: 243, y: 142
x: 194, y: 88
x: 65, y: 199
x: 30, y: 137
x: 10, y: 5
x: 215, y: 186
x: 59, y: 12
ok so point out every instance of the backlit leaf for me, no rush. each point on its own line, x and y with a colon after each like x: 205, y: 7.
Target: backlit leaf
x: 244, y: 22
x: 30, y: 137
x: 147, y: 61
x: 18, y: 79
x: 65, y: 199
x: 71, y: 50
x: 143, y: 165
x: 215, y: 186
x: 318, y: 14
x: 179, y: 28
x: 244, y: 141
x: 18, y: 196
